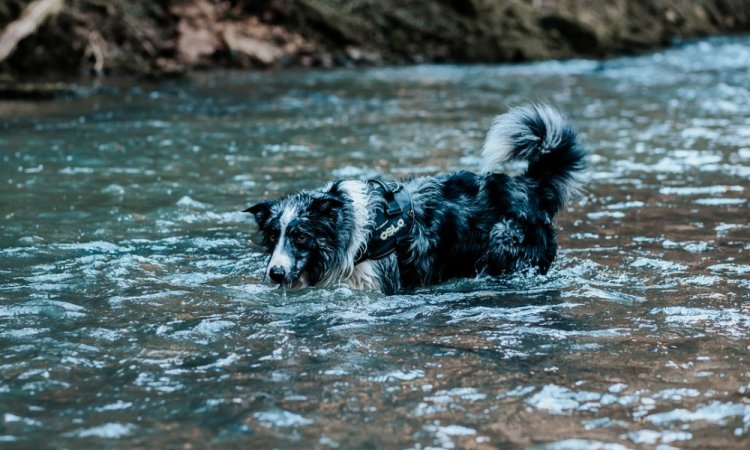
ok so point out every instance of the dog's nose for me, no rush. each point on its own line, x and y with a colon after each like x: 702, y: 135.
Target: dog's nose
x: 277, y: 274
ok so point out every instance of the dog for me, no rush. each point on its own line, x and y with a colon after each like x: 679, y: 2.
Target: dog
x: 396, y: 236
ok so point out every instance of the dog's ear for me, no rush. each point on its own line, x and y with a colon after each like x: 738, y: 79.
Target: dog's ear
x: 326, y: 203
x: 261, y: 211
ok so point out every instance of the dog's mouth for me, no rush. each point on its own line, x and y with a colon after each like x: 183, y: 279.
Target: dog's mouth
x: 300, y: 282
x: 292, y: 281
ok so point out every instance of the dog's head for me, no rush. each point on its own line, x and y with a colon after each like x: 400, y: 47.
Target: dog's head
x: 301, y: 234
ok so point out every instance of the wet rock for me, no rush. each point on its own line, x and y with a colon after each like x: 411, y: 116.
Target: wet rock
x: 257, y: 49
x: 198, y: 29
x: 578, y: 35
x: 210, y: 34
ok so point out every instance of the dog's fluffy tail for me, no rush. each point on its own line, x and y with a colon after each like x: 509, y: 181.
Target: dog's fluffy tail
x: 541, y: 135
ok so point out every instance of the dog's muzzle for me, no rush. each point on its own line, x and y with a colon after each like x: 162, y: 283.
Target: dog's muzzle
x: 277, y: 274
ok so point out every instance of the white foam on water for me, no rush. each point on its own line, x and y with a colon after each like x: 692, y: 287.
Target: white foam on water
x: 118, y: 405
x: 657, y: 264
x: 603, y: 214
x: 651, y: 437
x: 581, y: 444
x: 729, y: 320
x: 457, y: 430
x: 720, y: 201
x: 692, y: 247
x: 626, y: 205
x: 280, y: 418
x: 716, y: 412
x: 699, y: 190
x: 110, y: 430
x: 398, y: 375
x: 559, y: 399
x: 677, y: 394
x: 188, y: 202
x: 727, y: 268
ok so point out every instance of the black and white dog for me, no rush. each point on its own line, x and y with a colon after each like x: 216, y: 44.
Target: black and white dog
x: 395, y: 236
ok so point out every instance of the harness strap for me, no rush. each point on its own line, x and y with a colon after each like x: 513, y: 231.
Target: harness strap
x: 392, y: 207
x: 392, y: 225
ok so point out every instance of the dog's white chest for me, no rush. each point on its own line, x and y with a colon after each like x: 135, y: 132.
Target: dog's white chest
x: 363, y: 277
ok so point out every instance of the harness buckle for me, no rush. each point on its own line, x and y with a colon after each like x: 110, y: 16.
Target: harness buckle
x: 392, y: 208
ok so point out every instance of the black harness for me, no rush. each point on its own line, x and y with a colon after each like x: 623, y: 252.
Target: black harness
x: 393, y: 224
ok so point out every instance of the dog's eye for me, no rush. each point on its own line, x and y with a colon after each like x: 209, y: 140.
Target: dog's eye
x: 273, y: 237
x: 300, y: 239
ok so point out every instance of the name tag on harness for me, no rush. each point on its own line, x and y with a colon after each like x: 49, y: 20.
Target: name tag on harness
x: 393, y: 229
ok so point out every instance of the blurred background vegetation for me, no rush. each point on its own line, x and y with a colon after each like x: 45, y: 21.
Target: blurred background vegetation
x: 158, y: 38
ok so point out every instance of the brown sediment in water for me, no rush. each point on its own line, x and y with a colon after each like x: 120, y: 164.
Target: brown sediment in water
x: 157, y: 39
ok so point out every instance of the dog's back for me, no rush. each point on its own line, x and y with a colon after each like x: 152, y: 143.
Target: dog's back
x: 493, y: 223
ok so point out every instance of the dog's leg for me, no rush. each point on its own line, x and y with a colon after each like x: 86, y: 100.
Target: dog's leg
x: 513, y: 247
x: 389, y: 274
x: 505, y: 250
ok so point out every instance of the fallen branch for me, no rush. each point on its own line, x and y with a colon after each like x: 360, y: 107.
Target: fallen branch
x: 32, y: 17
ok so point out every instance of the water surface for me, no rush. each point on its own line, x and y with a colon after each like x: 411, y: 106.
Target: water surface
x: 132, y: 311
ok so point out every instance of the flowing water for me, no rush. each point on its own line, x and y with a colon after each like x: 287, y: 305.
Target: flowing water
x: 133, y: 314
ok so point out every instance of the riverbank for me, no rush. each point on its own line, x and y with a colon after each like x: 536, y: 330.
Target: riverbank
x: 94, y: 38
x: 134, y: 312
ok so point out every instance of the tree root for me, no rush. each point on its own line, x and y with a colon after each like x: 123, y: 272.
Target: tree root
x: 32, y: 17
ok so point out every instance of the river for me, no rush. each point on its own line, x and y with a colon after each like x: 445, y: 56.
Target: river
x: 133, y: 314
